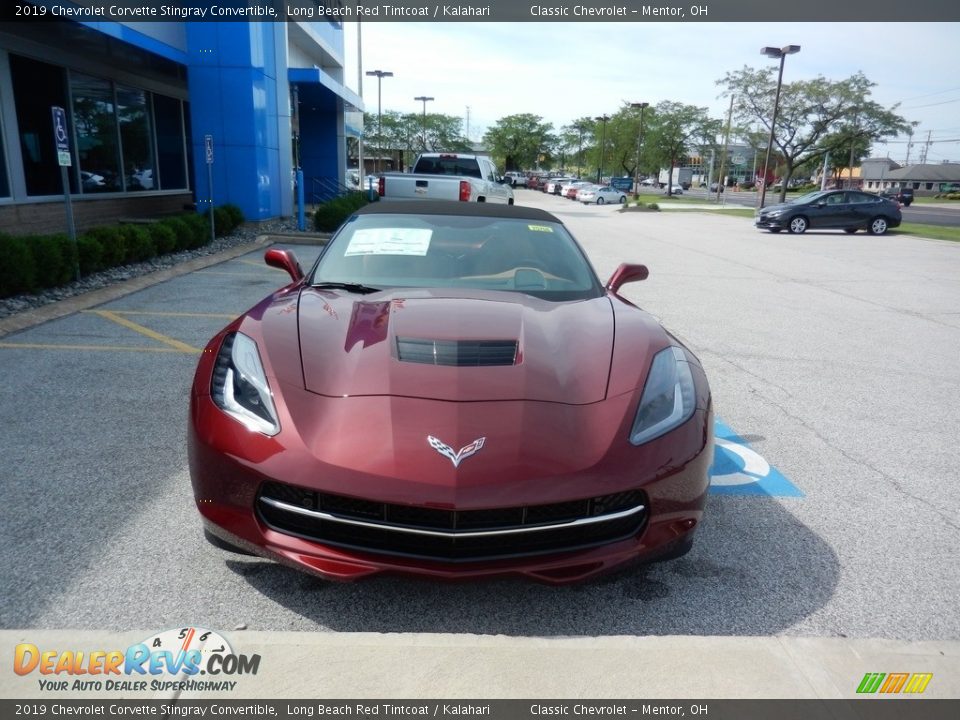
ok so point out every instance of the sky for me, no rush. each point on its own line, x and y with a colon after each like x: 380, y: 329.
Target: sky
x: 562, y: 71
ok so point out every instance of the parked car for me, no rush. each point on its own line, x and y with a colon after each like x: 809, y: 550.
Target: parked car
x: 848, y: 210
x: 675, y: 190
x: 517, y: 179
x: 601, y: 195
x: 649, y: 182
x: 448, y: 176
x: 553, y: 187
x: 570, y: 190
x: 901, y: 195
x: 413, y: 415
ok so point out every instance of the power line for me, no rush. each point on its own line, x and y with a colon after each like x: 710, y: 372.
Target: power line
x: 945, y: 102
x: 938, y: 92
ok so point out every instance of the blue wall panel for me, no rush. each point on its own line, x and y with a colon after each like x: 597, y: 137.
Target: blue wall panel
x: 231, y: 71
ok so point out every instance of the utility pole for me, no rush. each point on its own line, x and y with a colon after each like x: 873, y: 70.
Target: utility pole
x: 909, y: 145
x: 926, y: 146
x: 468, y: 124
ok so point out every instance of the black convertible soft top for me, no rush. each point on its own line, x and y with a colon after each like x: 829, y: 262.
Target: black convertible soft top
x: 451, y: 207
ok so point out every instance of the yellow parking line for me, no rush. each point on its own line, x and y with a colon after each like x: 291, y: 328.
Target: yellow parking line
x: 182, y: 347
x: 169, y: 314
x: 103, y: 348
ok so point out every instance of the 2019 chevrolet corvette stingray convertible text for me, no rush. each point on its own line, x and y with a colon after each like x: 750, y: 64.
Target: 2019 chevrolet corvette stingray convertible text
x: 450, y: 392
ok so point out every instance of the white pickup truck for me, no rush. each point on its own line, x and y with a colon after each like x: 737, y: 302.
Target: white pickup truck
x: 448, y: 176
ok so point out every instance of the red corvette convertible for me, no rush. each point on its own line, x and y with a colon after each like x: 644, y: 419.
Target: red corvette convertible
x: 450, y: 392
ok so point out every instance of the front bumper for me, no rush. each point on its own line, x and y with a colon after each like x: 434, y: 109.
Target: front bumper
x: 766, y: 222
x: 632, y: 506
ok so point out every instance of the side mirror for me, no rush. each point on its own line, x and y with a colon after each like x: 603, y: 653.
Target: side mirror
x: 821, y: 203
x: 626, y: 273
x: 284, y: 260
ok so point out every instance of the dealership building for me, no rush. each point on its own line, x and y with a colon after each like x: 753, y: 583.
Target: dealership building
x: 154, y: 109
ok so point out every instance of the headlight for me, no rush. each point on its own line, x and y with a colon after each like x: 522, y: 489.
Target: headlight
x: 668, y: 399
x: 240, y: 386
x: 775, y: 213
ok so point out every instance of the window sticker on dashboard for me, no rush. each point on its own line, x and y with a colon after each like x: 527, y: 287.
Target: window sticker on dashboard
x: 540, y: 228
x: 390, y: 241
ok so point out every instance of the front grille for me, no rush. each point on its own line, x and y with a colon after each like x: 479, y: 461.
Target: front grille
x: 451, y: 535
x: 457, y: 353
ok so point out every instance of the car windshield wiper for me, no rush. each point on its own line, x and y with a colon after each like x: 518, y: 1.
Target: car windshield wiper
x: 349, y: 287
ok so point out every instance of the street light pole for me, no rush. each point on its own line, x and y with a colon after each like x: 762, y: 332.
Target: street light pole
x: 580, y: 127
x: 424, y: 99
x: 603, y: 143
x: 380, y: 75
x: 781, y: 53
x: 636, y: 168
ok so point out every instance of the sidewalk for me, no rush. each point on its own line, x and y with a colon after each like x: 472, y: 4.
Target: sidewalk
x: 425, y: 665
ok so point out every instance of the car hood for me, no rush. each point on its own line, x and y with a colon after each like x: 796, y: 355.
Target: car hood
x: 455, y: 346
x: 779, y: 207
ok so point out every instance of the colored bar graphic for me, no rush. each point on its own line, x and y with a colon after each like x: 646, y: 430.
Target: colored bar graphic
x: 870, y: 682
x: 918, y: 682
x: 894, y: 682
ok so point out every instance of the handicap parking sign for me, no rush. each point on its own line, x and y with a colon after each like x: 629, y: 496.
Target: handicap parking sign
x: 738, y: 469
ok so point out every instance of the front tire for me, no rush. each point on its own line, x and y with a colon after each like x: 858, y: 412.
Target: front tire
x: 878, y: 226
x: 510, y: 201
x: 798, y: 225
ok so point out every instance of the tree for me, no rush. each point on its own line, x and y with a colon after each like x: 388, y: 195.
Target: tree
x: 518, y: 141
x: 572, y: 138
x: 407, y: 134
x: 673, y: 129
x: 810, y: 111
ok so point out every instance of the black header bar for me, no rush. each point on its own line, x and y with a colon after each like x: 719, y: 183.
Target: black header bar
x: 850, y: 11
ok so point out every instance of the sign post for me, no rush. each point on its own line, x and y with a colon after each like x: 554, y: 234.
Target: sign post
x: 208, y: 151
x: 62, y: 139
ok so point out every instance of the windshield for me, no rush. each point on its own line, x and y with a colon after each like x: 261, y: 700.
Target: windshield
x: 445, y: 251
x: 809, y: 197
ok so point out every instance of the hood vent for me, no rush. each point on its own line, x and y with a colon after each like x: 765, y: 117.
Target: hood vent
x: 458, y: 353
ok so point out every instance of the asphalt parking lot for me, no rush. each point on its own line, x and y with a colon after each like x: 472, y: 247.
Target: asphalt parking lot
x: 832, y: 358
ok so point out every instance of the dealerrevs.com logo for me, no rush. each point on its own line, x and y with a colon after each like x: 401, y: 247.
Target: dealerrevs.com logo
x: 183, y: 659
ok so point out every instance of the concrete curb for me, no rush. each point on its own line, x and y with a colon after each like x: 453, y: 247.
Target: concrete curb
x: 71, y: 305
x: 428, y: 665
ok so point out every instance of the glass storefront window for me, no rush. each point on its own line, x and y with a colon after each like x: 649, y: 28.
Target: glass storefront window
x: 170, y: 148
x: 38, y: 86
x: 136, y: 139
x: 95, y: 124
x: 4, y: 185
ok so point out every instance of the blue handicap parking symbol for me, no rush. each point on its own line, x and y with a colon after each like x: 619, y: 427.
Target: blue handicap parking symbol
x: 738, y: 469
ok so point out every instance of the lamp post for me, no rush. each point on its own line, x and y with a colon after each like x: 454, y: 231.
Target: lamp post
x: 424, y: 99
x: 603, y: 143
x: 636, y: 169
x: 580, y: 128
x: 781, y: 53
x: 379, y: 75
